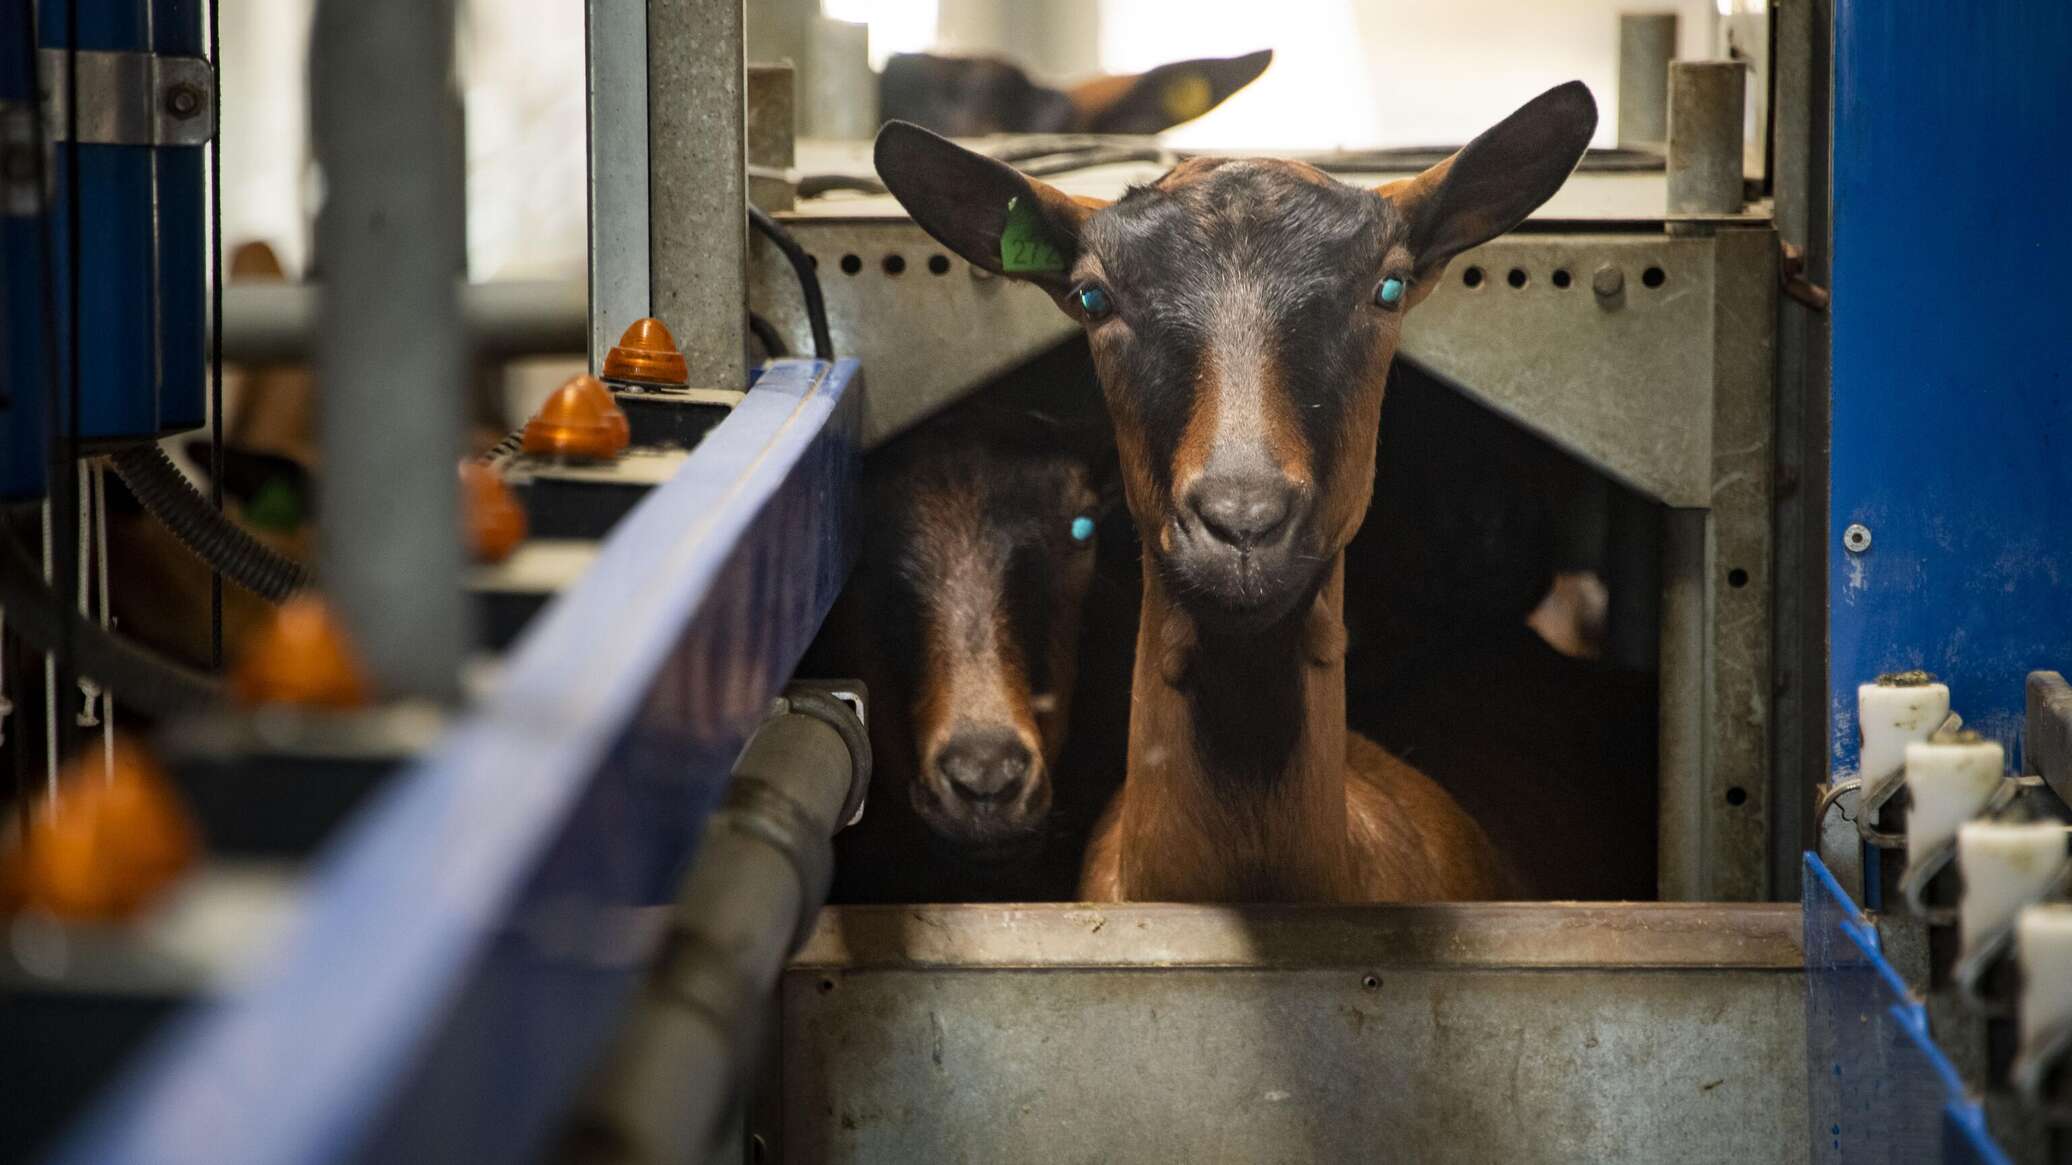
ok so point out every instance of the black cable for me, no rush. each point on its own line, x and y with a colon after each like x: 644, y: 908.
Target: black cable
x: 215, y: 330
x: 809, y: 280
x: 46, y: 622
x: 815, y: 185
x: 773, y: 344
x: 1046, y: 146
x: 1087, y: 160
x: 167, y: 495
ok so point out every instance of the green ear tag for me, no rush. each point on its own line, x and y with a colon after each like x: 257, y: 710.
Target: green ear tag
x: 275, y: 507
x: 1025, y: 244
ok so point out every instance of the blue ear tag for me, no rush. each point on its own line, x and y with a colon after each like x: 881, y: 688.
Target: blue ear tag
x: 1082, y: 528
x: 1391, y: 292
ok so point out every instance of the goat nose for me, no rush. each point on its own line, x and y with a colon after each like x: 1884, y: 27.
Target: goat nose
x: 1242, y: 511
x: 985, y: 765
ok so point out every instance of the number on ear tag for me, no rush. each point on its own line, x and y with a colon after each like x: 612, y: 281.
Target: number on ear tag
x: 1025, y: 244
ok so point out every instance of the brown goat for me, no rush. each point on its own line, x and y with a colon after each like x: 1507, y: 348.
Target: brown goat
x: 963, y: 618
x: 1243, y: 315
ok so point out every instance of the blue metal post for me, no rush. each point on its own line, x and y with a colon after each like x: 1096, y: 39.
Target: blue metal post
x: 24, y: 324
x: 182, y: 283
x: 1952, y: 412
x: 118, y: 328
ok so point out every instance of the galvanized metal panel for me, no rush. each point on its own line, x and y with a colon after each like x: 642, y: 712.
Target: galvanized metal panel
x: 1623, y: 380
x: 466, y: 943
x: 1951, y: 398
x: 1144, y: 1033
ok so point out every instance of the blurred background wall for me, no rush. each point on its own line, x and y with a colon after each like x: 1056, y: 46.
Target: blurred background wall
x: 1355, y: 73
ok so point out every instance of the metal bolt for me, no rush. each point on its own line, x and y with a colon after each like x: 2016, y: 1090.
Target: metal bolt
x: 183, y: 100
x: 1607, y: 281
x: 1857, y: 538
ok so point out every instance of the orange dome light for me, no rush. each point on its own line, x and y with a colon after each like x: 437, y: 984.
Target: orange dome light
x: 301, y: 658
x: 111, y: 840
x: 580, y: 420
x: 622, y: 430
x: 647, y: 354
x: 494, y: 521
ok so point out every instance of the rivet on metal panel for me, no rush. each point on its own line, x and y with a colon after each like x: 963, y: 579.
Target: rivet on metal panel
x: 1608, y: 282
x: 1857, y: 538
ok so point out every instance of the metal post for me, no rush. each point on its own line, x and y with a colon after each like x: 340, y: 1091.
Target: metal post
x: 839, y: 91
x: 1686, y: 669
x: 391, y: 352
x: 1706, y: 102
x: 1799, y: 175
x: 772, y: 130
x: 698, y: 184
x: 616, y: 33
x: 1647, y: 43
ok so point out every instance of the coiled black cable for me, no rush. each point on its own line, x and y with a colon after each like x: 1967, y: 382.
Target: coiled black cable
x: 809, y: 279
x: 167, y: 495
x: 46, y: 622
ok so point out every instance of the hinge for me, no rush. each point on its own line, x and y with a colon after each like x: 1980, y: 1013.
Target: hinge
x: 130, y: 99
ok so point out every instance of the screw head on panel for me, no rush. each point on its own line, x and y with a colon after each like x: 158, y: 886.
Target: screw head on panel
x: 1857, y: 538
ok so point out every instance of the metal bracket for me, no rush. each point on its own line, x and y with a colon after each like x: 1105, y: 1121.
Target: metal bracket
x: 812, y: 698
x: 130, y: 99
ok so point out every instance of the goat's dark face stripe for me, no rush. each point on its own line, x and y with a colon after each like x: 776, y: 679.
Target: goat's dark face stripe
x: 1245, y: 328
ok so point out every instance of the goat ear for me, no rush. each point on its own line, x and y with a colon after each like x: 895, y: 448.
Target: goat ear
x: 1166, y: 96
x: 985, y: 210
x: 1493, y: 182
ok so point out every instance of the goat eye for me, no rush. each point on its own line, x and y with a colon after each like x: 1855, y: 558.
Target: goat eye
x: 1093, y: 300
x: 1391, y: 291
x: 1082, y: 529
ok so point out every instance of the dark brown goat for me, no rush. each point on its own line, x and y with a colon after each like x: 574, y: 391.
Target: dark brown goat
x: 963, y: 618
x: 1243, y: 316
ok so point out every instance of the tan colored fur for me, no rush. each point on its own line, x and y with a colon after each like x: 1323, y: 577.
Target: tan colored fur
x: 1346, y: 821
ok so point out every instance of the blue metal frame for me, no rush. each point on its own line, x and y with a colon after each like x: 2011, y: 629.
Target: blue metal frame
x: 24, y: 383
x: 1878, y: 1088
x: 463, y: 949
x: 1952, y: 415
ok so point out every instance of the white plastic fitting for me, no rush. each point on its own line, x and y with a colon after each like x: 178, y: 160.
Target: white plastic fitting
x: 1950, y: 784
x: 1891, y: 716
x: 2005, y: 868
x: 2043, y: 950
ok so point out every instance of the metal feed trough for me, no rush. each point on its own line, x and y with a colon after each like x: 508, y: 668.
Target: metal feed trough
x: 1533, y: 1033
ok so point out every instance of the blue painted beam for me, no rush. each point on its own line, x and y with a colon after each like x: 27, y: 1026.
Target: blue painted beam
x: 1952, y: 412
x: 465, y: 947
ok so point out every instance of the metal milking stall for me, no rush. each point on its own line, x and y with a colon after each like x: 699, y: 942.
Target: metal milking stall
x: 562, y: 893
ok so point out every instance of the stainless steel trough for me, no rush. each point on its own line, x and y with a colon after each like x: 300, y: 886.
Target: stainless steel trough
x: 1486, y: 1032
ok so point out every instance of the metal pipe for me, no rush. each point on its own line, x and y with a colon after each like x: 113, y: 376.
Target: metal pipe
x: 1706, y: 104
x: 390, y: 350
x: 759, y: 880
x: 1685, y: 688
x: 1647, y: 43
x: 697, y: 176
x: 277, y: 322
